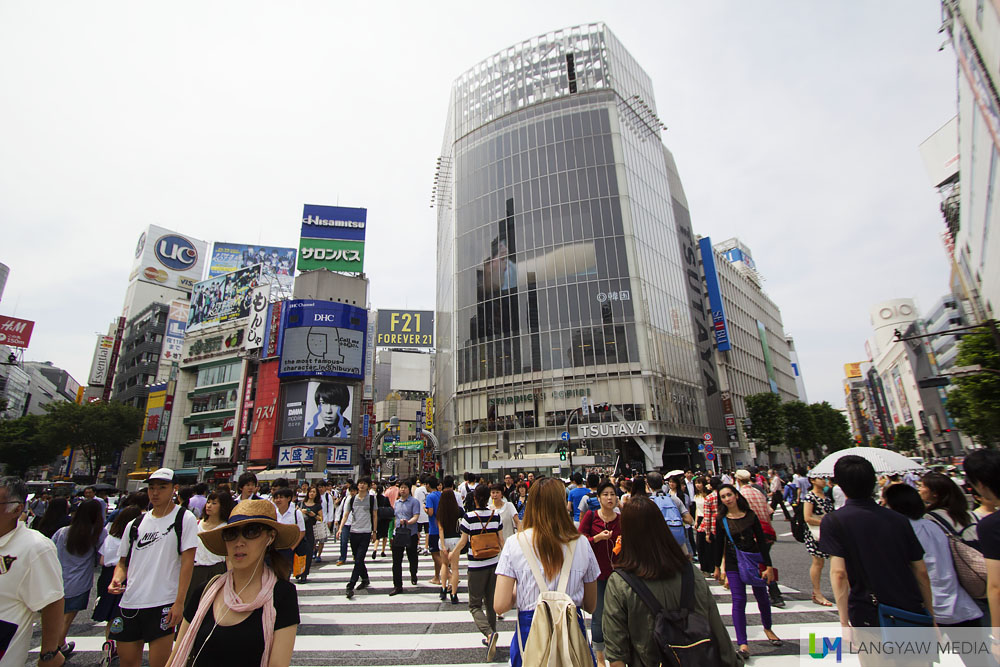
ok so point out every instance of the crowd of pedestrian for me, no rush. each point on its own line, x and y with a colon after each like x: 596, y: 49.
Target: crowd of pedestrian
x: 198, y: 576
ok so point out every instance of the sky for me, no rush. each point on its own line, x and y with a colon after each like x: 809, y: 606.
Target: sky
x: 795, y: 126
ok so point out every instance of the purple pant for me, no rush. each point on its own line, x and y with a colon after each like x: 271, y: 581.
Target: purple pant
x: 738, y: 590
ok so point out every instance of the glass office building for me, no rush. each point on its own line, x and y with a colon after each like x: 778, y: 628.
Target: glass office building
x: 562, y: 275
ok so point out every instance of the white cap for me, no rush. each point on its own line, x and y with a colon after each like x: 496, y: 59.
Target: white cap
x: 162, y: 475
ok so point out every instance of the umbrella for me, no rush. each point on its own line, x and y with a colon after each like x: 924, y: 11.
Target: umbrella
x: 673, y: 473
x: 885, y: 462
x: 105, y: 487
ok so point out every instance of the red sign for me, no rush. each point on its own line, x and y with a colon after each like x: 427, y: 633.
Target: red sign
x: 272, y: 330
x: 709, y: 448
x: 730, y: 421
x: 264, y: 421
x: 15, y: 332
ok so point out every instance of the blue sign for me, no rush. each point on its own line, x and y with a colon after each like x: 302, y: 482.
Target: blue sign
x: 714, y: 295
x: 565, y: 436
x: 298, y: 455
x: 334, y: 222
x: 364, y: 426
x: 322, y: 339
x: 175, y: 252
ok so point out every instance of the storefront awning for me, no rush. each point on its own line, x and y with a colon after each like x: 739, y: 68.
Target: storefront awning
x: 273, y: 474
x: 192, y: 472
x: 141, y: 474
x: 256, y: 468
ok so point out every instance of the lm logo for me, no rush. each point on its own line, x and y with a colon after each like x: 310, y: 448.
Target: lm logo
x: 829, y: 645
x: 175, y: 252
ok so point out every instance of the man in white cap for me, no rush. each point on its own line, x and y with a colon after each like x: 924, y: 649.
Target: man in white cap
x: 157, y: 559
x: 758, y: 503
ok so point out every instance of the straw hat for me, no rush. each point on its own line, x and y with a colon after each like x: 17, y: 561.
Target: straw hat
x: 251, y: 511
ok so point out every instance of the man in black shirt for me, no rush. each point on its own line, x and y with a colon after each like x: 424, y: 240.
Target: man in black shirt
x: 982, y: 471
x: 875, y: 555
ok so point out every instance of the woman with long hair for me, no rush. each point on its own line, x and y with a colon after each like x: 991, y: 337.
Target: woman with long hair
x: 650, y: 554
x: 218, y: 507
x: 743, y: 535
x: 312, y: 512
x: 107, y: 602
x: 547, y: 539
x: 521, y: 501
x: 77, y: 546
x: 814, y: 506
x: 948, y: 507
x: 56, y: 516
x: 639, y: 487
x: 448, y: 514
x: 382, y: 529
x: 250, y: 614
x: 602, y: 529
x: 704, y: 547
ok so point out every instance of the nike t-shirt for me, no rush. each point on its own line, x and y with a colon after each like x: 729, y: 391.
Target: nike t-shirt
x: 155, y: 566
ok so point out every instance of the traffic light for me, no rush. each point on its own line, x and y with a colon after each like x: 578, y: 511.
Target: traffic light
x: 562, y: 454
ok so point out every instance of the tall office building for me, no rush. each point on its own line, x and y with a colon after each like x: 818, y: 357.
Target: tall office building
x: 567, y: 270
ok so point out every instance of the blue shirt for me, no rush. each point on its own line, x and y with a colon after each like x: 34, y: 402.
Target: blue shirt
x: 433, y: 498
x: 574, y: 496
x: 406, y: 509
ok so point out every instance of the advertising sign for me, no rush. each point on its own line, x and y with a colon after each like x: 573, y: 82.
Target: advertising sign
x: 317, y: 409
x: 852, y: 370
x: 257, y: 324
x: 322, y: 338
x: 405, y: 446
x: 766, y: 351
x: 15, y: 332
x: 369, y: 388
x: 277, y: 263
x: 714, y: 294
x: 164, y: 257
x: 155, y: 404
x: 173, y: 337
x: 265, y: 411
x: 332, y: 254
x: 333, y: 238
x: 223, y: 299
x: 297, y: 455
x: 273, y: 330
x: 613, y: 429
x: 102, y: 358
x: 429, y: 417
x: 904, y: 403
x: 405, y: 328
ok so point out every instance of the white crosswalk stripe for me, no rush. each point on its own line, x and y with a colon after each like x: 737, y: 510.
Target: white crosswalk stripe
x: 416, y: 628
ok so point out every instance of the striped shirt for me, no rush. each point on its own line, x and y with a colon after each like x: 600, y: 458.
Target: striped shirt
x: 476, y: 522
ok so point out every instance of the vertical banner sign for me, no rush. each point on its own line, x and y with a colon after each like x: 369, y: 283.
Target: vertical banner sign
x: 273, y: 331
x: 173, y: 338
x: 766, y: 349
x: 257, y: 324
x: 369, y: 389
x: 102, y: 358
x: 429, y: 414
x: 719, y: 323
x: 119, y: 333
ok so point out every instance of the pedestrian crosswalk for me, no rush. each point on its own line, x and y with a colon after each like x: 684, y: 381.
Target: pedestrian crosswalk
x: 416, y: 628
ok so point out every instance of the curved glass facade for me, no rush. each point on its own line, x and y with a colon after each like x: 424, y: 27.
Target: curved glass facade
x: 560, y: 274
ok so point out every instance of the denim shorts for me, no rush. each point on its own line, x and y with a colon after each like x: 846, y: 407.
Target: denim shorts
x: 77, y: 602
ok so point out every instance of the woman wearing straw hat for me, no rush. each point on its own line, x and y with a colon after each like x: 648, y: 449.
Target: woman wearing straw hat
x: 251, y: 612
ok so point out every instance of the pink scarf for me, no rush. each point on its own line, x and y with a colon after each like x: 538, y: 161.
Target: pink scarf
x: 265, y: 599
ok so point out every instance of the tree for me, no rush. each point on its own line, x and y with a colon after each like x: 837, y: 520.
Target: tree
x: 973, y: 399
x: 767, y: 422
x: 906, y: 439
x: 22, y: 445
x: 800, y: 427
x: 99, y: 430
x: 832, y: 429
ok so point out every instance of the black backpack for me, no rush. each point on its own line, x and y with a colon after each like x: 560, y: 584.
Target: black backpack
x: 133, y: 533
x: 798, y: 523
x: 470, y: 498
x: 683, y: 636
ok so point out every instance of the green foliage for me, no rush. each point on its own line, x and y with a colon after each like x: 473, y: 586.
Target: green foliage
x: 22, y: 445
x: 99, y: 430
x: 906, y: 439
x: 800, y: 427
x: 973, y: 399
x: 832, y: 428
x: 767, y: 420
x: 876, y: 440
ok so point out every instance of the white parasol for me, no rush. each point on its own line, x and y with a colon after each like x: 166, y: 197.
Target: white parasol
x: 885, y: 462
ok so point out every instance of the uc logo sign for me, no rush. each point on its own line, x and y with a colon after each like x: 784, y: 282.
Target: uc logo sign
x: 175, y: 252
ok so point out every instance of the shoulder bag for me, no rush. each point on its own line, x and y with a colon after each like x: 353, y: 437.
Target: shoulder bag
x: 970, y: 566
x: 485, y: 544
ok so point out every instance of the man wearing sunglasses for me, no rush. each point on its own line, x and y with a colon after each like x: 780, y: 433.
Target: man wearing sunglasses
x: 154, y: 573
x: 30, y: 582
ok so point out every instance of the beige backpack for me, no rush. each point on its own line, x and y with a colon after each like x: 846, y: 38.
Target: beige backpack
x: 555, y: 638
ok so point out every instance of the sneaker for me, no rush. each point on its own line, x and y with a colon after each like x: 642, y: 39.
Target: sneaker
x: 374, y: 555
x: 350, y: 593
x: 491, y: 647
x: 339, y: 562
x: 364, y: 584
x: 107, y: 650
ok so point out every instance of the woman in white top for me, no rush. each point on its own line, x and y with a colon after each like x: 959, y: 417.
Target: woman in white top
x: 505, y: 510
x: 550, y: 532
x: 218, y: 507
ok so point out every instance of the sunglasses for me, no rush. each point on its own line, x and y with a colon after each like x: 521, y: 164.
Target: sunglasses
x: 250, y: 531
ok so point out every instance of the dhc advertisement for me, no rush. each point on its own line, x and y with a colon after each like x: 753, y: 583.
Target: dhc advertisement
x: 322, y: 339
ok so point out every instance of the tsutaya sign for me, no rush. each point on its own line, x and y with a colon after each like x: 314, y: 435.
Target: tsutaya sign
x: 613, y: 429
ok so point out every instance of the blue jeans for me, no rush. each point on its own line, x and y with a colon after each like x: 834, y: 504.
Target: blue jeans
x: 345, y: 538
x: 524, y: 626
x: 597, y: 619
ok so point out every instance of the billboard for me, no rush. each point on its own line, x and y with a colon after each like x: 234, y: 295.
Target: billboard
x: 164, y: 257
x: 719, y: 324
x: 225, y: 298
x: 322, y: 338
x: 853, y: 370
x: 298, y: 455
x: 155, y: 404
x: 333, y: 238
x: 277, y: 263
x: 260, y: 307
x: 173, y: 337
x: 405, y: 328
x: 265, y: 411
x: 317, y: 409
x: 15, y: 332
x: 102, y: 359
